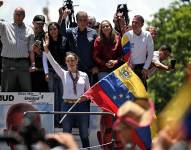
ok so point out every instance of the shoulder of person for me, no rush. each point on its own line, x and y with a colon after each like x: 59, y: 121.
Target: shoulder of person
x: 91, y: 30
x: 70, y: 30
x: 146, y: 33
x: 28, y: 28
x: 128, y: 33
x: 82, y: 74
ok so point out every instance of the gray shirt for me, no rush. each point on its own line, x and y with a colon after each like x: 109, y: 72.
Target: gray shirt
x: 17, y: 41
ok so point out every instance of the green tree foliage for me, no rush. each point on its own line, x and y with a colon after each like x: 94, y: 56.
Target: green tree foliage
x: 174, y: 24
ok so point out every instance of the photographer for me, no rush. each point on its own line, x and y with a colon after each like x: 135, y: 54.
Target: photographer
x: 121, y: 20
x: 66, y: 14
x: 158, y: 57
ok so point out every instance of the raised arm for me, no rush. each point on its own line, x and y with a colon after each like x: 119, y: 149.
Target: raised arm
x: 52, y: 61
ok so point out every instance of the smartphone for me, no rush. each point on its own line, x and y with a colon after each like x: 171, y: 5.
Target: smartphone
x: 38, y: 43
x: 173, y: 63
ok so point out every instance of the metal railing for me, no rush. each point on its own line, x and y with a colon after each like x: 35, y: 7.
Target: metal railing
x: 79, y: 113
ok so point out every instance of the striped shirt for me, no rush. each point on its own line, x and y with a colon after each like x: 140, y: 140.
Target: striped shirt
x: 17, y: 41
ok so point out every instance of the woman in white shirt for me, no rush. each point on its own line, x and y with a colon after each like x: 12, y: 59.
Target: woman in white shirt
x: 75, y: 83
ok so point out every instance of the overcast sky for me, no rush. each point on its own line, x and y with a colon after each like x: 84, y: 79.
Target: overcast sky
x: 101, y: 9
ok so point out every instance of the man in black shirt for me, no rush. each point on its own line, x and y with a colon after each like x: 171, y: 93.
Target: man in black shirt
x: 38, y: 77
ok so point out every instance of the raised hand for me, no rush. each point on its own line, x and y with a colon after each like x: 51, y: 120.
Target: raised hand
x: 46, y: 43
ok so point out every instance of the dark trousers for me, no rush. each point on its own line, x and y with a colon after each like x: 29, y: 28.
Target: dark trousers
x: 138, y: 71
x: 15, y: 75
x: 81, y: 120
x: 38, y: 82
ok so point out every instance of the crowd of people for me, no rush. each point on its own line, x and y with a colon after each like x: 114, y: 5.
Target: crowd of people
x: 67, y: 61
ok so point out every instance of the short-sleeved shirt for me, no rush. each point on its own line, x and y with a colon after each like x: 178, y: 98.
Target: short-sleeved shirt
x: 17, y: 40
x: 155, y: 59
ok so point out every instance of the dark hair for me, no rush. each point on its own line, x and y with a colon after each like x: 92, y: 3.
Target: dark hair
x: 80, y: 14
x: 165, y: 48
x: 54, y: 24
x: 73, y: 54
x: 140, y: 18
x: 103, y: 39
x: 59, y: 34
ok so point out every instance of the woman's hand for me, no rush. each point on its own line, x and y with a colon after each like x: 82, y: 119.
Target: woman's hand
x: 46, y: 43
x: 46, y: 77
x: 111, y: 63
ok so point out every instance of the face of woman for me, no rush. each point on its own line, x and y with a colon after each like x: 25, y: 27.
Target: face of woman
x: 106, y: 29
x: 53, y: 31
x: 71, y: 63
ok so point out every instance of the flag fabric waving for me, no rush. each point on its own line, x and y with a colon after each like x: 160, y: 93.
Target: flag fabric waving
x: 126, y: 48
x: 117, y: 87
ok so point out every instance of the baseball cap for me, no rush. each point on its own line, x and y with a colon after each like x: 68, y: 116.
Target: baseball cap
x: 39, y: 19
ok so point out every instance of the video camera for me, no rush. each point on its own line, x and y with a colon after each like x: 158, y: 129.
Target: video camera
x: 68, y: 4
x: 122, y: 8
x: 71, y: 19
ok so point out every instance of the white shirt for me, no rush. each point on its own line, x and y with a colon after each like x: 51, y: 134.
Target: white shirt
x: 141, y: 48
x: 155, y: 59
x: 68, y: 93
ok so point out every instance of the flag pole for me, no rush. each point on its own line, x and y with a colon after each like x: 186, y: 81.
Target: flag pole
x: 69, y: 110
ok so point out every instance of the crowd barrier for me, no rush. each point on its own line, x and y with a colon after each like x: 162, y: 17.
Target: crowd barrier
x: 78, y: 113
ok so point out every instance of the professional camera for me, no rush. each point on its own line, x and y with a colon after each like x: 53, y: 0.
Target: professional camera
x: 122, y: 8
x: 69, y: 4
x: 71, y: 19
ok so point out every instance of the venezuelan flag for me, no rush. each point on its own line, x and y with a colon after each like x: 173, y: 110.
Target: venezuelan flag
x: 126, y: 48
x: 116, y: 88
x: 175, y: 110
